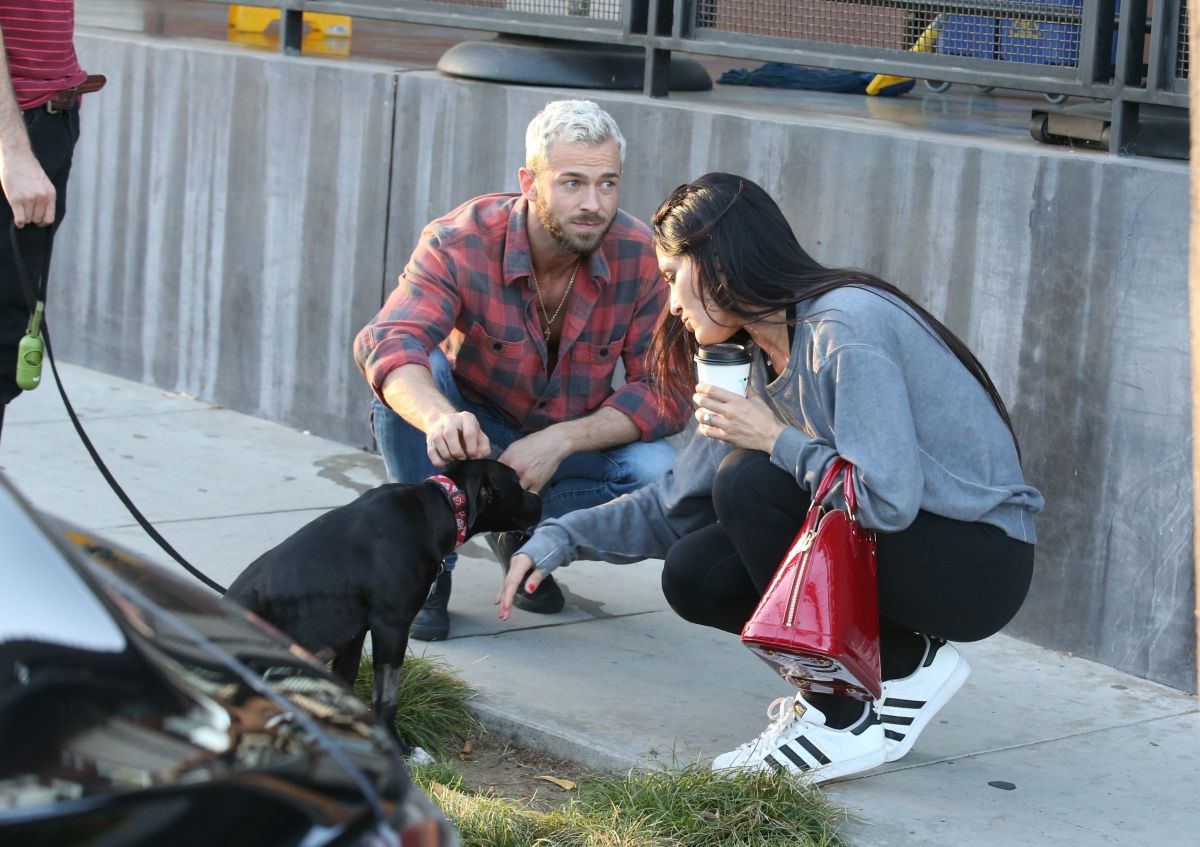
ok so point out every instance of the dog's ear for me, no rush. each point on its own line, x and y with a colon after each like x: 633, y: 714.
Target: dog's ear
x: 478, y: 486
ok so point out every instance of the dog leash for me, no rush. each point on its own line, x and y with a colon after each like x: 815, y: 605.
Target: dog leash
x: 35, y: 299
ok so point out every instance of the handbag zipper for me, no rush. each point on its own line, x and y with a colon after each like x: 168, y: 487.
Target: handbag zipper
x: 806, y: 542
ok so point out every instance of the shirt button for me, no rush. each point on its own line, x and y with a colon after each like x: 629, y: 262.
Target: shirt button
x: 603, y: 351
x: 497, y: 346
x: 542, y: 404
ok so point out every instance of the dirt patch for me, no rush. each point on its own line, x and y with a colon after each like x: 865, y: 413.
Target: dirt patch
x: 491, y: 763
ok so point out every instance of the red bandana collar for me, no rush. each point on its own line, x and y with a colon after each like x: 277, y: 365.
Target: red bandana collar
x: 458, y: 502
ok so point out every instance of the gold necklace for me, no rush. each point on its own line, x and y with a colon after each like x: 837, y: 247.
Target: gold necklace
x: 548, y: 319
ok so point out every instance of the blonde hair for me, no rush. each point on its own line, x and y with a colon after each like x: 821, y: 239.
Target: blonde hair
x: 569, y: 120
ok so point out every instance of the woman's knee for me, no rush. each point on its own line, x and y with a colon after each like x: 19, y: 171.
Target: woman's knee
x: 679, y: 588
x: 745, y: 482
x: 705, y: 582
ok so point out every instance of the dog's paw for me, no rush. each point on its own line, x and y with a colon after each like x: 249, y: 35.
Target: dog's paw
x: 418, y: 756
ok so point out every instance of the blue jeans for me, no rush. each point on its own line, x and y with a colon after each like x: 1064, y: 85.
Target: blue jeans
x: 582, y: 480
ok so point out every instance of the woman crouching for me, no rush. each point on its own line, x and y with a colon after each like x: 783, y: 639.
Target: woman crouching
x: 844, y: 364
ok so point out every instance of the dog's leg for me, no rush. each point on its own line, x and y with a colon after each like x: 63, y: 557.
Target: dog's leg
x: 387, y: 653
x: 384, y: 700
x: 347, y: 660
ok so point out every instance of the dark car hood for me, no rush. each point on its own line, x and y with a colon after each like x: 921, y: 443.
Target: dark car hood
x: 113, y: 686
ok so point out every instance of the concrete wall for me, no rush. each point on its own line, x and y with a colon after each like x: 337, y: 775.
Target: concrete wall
x: 234, y: 223
x: 226, y: 227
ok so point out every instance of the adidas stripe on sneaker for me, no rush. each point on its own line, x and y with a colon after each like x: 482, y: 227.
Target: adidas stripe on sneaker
x: 909, y: 703
x: 797, y: 741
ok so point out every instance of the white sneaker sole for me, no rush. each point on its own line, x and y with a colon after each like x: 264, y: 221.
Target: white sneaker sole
x: 806, y: 761
x: 849, y: 767
x: 902, y: 718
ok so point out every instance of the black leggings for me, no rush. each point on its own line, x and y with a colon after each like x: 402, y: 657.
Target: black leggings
x: 949, y: 579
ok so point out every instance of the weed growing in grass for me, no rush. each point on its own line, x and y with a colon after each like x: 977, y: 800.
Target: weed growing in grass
x: 432, y: 710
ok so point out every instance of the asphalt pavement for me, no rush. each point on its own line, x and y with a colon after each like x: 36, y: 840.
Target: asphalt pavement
x: 1038, y: 748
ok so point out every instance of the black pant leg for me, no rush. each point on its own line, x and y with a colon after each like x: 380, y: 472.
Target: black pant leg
x: 706, y: 583
x: 53, y: 138
x: 761, y: 508
x: 950, y: 579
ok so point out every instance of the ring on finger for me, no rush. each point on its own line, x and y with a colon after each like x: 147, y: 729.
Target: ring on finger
x: 707, y: 419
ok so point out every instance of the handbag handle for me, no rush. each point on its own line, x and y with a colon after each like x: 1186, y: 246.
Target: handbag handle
x: 828, y: 481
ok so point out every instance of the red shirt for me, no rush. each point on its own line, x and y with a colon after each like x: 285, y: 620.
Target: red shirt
x: 41, y: 53
x: 467, y: 288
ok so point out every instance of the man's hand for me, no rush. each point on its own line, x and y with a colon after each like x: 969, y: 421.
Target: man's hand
x: 536, y: 457
x: 27, y: 188
x: 517, y: 570
x: 456, y: 436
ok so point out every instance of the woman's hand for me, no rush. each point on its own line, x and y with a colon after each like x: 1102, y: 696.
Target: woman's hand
x: 745, y: 422
x: 518, y: 568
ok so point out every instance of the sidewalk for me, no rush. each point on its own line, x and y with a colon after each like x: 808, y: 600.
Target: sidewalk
x: 1037, y: 749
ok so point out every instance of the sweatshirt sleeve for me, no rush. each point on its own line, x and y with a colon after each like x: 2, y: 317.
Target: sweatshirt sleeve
x: 867, y: 400
x: 640, y: 525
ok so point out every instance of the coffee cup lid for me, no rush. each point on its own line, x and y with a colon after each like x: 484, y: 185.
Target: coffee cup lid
x: 727, y: 353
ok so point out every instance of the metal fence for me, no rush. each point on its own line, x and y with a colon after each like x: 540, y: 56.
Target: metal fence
x: 1127, y: 52
x: 1033, y: 33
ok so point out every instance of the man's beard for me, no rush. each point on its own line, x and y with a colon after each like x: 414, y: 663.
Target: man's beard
x: 581, y: 244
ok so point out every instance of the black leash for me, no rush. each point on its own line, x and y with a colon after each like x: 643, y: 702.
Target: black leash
x: 36, y: 298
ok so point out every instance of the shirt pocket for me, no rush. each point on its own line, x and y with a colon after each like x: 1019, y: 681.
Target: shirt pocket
x: 590, y: 375
x: 492, y: 367
x: 488, y: 346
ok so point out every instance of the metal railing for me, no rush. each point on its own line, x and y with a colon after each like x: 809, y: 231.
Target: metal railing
x: 577, y: 20
x: 1127, y: 52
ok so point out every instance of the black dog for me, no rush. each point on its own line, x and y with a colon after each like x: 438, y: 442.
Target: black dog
x: 369, y: 565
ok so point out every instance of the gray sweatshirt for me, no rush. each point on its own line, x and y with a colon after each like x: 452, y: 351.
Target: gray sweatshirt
x: 867, y: 379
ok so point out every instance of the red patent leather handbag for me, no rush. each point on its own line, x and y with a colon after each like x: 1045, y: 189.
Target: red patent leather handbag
x: 817, y: 623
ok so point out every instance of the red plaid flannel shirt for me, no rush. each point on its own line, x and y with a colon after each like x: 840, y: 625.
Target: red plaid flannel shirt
x: 467, y: 287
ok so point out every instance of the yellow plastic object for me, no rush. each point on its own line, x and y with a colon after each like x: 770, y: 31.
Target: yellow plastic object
x: 256, y: 19
x: 925, y: 44
x: 312, y: 44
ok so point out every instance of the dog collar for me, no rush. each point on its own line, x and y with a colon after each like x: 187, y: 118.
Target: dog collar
x: 458, y: 502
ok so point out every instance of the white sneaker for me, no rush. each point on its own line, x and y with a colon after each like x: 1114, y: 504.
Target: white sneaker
x: 798, y: 741
x: 910, y: 703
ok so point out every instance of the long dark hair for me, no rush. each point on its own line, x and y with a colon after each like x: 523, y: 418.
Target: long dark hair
x: 748, y: 263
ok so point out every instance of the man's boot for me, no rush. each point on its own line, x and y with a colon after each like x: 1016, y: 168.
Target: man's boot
x: 432, y: 623
x: 548, y: 599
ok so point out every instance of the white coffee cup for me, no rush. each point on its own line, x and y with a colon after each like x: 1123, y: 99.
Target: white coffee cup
x: 725, y: 365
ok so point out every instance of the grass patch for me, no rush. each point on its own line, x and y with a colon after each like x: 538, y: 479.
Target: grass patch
x: 694, y: 807
x: 432, y: 710
x: 685, y: 808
